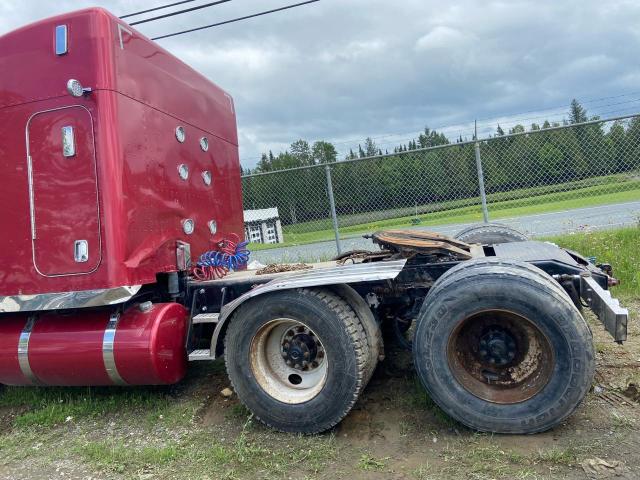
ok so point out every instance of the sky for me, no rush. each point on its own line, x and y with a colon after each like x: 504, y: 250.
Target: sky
x: 342, y: 70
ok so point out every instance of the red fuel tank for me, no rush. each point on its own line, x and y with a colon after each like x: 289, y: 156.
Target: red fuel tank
x: 145, y: 345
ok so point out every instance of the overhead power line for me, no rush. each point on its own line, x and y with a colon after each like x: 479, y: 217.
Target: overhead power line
x: 180, y: 12
x: 508, y: 118
x: 235, y: 19
x: 154, y: 9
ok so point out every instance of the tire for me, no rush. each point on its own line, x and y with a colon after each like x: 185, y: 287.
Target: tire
x: 527, y: 269
x: 314, y: 400
x: 543, y: 363
x: 490, y: 233
x: 369, y: 325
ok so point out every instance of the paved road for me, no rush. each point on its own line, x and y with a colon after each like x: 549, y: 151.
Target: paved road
x: 579, y: 219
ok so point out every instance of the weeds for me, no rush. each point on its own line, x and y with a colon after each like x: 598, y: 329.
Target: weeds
x: 616, y: 247
x: 369, y: 463
x: 47, y: 407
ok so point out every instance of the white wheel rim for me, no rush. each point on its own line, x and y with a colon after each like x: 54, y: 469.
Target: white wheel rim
x: 288, y: 383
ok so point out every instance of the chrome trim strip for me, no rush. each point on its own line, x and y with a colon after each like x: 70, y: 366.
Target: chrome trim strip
x: 341, y: 274
x: 23, y: 351
x: 32, y: 212
x: 122, y: 28
x: 61, y: 300
x: 107, y: 350
x: 32, y: 195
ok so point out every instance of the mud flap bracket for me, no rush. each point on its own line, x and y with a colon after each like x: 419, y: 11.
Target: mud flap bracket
x: 607, y: 309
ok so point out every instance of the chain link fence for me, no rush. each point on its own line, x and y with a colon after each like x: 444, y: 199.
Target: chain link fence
x: 522, y: 175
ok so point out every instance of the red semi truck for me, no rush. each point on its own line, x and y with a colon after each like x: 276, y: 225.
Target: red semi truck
x: 120, y: 164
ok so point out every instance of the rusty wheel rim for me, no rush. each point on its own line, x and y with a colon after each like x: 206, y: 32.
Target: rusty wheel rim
x: 500, y: 356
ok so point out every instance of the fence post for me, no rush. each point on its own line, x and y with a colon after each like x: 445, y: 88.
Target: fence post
x: 483, y: 195
x: 332, y: 204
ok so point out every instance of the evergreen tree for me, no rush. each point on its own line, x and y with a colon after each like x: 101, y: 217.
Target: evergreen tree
x: 577, y: 113
x: 370, y: 148
x: 264, y: 165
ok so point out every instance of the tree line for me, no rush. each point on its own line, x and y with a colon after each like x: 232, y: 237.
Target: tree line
x: 409, y: 176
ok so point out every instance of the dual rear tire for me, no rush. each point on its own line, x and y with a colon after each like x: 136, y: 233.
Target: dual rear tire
x: 500, y: 347
x: 299, y: 359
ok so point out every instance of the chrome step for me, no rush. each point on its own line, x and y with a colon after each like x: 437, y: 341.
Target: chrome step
x: 206, y: 318
x: 201, y: 354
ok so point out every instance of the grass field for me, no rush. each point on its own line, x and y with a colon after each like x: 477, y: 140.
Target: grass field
x: 191, y: 431
x: 620, y: 248
x: 461, y: 212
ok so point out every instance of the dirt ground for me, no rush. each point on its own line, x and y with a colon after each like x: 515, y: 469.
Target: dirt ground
x: 394, y: 432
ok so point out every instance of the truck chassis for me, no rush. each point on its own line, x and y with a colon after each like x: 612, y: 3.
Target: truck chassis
x: 497, y: 327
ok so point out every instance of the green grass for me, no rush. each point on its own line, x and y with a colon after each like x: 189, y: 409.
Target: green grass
x: 54, y: 406
x: 567, y: 190
x: 202, y: 455
x: 484, y: 456
x: 620, y: 248
x: 115, y: 457
x: 311, y: 232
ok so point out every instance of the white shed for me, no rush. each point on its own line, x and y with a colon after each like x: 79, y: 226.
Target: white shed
x: 263, y: 226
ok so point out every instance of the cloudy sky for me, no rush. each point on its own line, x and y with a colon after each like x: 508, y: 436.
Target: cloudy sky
x: 341, y: 70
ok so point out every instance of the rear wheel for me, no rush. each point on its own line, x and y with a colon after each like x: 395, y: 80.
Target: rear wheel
x: 297, y: 359
x: 490, y: 233
x: 502, y: 349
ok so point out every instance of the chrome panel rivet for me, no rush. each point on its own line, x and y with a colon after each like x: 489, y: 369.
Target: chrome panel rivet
x: 188, y: 226
x: 180, y: 134
x: 204, y: 144
x: 213, y: 226
x: 183, y: 171
x: 206, y: 177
